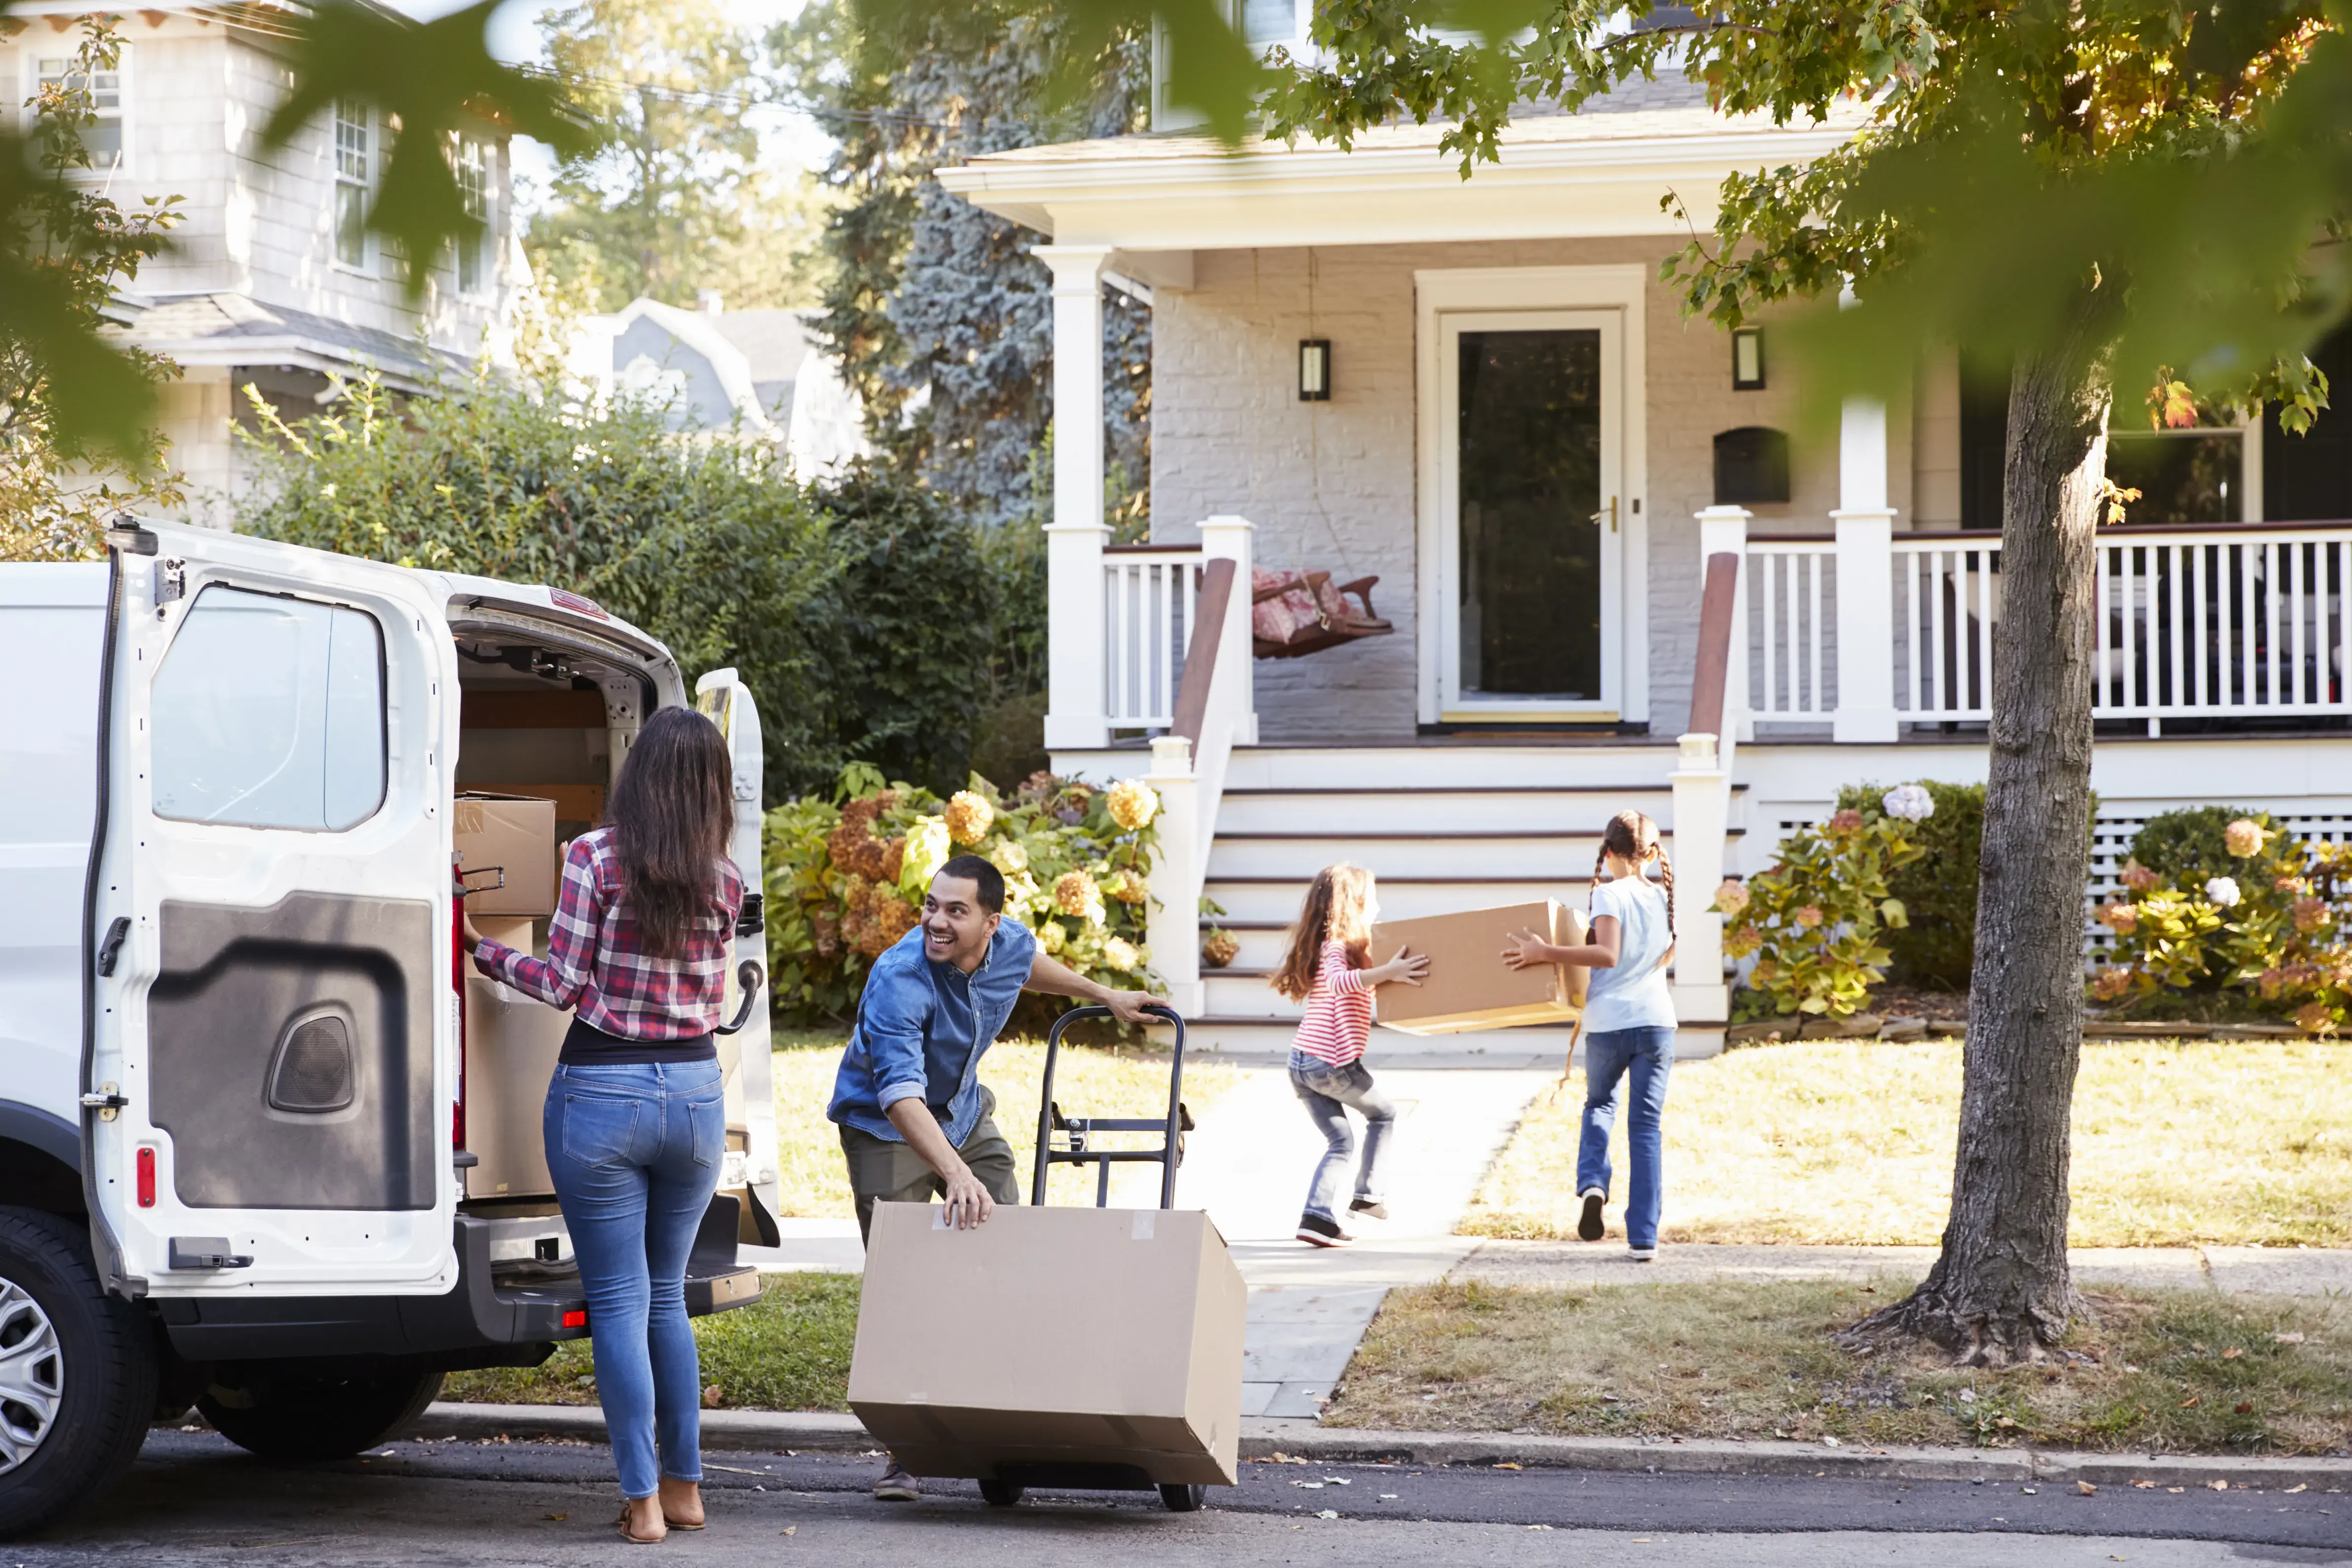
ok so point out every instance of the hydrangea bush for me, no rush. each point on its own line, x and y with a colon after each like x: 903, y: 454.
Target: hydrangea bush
x: 846, y: 877
x: 1816, y: 920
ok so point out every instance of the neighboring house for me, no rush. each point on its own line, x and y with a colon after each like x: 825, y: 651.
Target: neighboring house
x: 1516, y: 429
x: 273, y: 282
x: 753, y: 371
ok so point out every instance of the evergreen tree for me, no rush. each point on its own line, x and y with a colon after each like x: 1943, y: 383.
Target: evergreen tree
x: 942, y: 317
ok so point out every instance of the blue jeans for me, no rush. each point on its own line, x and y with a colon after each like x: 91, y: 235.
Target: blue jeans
x: 635, y: 1152
x: 1329, y: 1093
x: 1647, y: 1056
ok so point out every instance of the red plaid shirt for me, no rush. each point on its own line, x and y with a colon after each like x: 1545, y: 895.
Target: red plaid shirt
x: 597, y: 963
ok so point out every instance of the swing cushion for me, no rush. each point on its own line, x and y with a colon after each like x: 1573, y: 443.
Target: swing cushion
x: 1302, y: 604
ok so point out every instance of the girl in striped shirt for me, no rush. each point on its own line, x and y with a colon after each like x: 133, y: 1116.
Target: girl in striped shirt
x: 1325, y: 969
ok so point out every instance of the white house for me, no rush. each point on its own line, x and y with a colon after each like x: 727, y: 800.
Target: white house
x: 272, y: 282
x: 1480, y: 392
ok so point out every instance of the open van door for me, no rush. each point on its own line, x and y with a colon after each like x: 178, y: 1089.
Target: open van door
x: 270, y: 1057
x: 751, y: 1171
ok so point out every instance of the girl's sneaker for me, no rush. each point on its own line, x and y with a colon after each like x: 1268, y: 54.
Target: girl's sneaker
x: 1370, y: 1209
x: 1317, y: 1231
x: 1587, y: 1225
x: 1642, y: 1254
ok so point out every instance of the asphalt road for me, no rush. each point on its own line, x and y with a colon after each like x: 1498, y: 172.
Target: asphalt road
x: 192, y: 1498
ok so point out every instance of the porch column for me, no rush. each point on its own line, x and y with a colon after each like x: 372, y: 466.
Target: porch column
x: 1076, y: 706
x: 1228, y: 538
x: 1172, y: 920
x: 1865, y: 579
x: 1702, y: 814
x: 1723, y: 530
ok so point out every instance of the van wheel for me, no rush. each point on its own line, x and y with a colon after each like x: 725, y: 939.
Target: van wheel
x: 76, y: 1373
x: 1002, y: 1494
x: 321, y: 1417
x: 1181, y: 1499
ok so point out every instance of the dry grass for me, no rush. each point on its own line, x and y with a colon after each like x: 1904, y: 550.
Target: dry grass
x: 2227, y: 1142
x: 2160, y: 1371
x: 1088, y: 1079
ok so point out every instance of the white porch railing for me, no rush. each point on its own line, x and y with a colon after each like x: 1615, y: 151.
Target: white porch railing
x: 2224, y: 622
x: 1152, y: 598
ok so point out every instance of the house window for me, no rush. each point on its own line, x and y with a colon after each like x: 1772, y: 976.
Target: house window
x: 2193, y: 474
x: 102, y: 140
x: 355, y: 168
x: 1267, y: 22
x: 474, y: 247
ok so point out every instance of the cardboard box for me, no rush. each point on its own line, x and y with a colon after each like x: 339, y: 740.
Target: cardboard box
x: 1052, y: 1337
x: 1468, y: 986
x: 512, y: 1044
x: 516, y: 834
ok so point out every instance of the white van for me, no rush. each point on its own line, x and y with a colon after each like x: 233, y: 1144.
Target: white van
x: 235, y: 1166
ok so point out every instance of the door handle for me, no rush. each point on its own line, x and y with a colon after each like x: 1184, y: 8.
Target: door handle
x: 1610, y: 512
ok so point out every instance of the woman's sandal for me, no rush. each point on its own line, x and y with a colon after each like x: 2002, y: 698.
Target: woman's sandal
x: 636, y: 1540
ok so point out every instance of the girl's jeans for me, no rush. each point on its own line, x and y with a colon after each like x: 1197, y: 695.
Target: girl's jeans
x: 1646, y: 1055
x: 635, y: 1152
x: 1329, y: 1093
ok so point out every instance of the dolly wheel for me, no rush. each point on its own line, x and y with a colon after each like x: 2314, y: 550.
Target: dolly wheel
x: 1004, y: 1494
x: 1185, y: 1498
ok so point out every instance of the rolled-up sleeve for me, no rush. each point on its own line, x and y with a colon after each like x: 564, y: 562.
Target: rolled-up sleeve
x: 892, y: 1030
x: 559, y: 978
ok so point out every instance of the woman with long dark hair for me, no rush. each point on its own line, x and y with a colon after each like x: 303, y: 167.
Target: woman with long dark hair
x: 635, y: 1117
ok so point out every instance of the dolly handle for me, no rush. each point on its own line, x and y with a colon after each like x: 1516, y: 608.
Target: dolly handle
x: 1045, y: 1101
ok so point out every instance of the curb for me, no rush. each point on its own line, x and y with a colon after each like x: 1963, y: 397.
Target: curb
x: 813, y: 1430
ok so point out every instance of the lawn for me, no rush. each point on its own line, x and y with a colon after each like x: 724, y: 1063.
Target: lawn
x: 787, y: 1351
x: 2227, y: 1142
x: 1088, y: 1079
x: 2160, y: 1371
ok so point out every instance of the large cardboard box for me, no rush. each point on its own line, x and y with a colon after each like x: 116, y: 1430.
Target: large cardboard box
x: 1051, y: 1337
x: 1468, y: 986
x: 512, y: 1044
x: 516, y: 835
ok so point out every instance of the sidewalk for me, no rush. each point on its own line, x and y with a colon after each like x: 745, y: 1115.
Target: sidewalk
x: 2230, y: 1270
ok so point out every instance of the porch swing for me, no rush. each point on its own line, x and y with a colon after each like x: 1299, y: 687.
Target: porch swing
x: 1295, y: 613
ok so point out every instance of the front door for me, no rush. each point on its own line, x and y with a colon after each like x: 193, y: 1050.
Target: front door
x: 1531, y: 515
x: 272, y: 1060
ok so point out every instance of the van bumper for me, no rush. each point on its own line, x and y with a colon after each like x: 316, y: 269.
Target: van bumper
x: 502, y: 1312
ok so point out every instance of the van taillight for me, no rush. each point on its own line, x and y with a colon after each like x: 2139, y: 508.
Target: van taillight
x: 146, y: 1178
x: 575, y: 1319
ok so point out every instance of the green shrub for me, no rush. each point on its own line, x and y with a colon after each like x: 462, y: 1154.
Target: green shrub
x: 1814, y: 921
x: 846, y: 877
x: 2188, y: 846
x: 1939, y: 948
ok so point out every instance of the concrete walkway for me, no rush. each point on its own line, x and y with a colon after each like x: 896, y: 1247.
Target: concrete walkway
x: 2231, y: 1271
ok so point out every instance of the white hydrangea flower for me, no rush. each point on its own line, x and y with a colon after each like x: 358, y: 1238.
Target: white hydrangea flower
x: 2223, y: 891
x: 1909, y: 803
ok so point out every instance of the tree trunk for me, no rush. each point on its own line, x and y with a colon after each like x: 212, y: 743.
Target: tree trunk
x: 2001, y: 1290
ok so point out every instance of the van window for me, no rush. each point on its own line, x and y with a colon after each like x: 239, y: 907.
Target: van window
x: 269, y: 712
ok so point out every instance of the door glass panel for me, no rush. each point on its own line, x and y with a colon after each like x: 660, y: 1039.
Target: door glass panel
x: 269, y: 712
x: 1529, y: 449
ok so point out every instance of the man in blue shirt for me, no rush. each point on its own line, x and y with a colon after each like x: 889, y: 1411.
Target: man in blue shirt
x: 916, y: 1120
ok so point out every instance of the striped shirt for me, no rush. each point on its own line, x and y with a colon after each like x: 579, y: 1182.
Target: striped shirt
x: 1338, y: 1022
x: 596, y: 960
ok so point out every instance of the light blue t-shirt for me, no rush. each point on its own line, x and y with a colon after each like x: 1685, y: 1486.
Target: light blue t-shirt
x: 1633, y: 994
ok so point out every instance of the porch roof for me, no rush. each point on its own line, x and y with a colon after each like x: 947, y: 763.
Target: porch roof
x: 1596, y: 173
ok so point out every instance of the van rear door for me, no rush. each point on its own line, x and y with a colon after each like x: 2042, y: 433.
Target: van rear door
x: 750, y: 1170
x: 271, y: 1060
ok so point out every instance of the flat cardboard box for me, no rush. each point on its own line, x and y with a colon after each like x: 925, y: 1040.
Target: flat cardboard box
x: 1468, y: 986
x: 1051, y: 1337
x: 516, y: 835
x: 512, y: 1044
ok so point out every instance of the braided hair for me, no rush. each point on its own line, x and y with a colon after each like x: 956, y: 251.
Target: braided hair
x: 1632, y: 836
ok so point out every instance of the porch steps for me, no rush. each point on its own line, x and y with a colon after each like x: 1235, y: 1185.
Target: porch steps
x: 1445, y: 827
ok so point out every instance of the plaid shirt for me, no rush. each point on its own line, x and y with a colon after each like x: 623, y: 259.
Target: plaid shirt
x: 597, y: 963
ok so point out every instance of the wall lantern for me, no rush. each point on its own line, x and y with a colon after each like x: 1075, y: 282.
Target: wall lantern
x: 1748, y: 358
x: 1315, y: 370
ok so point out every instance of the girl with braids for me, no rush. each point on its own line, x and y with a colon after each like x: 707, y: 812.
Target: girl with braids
x: 1325, y: 969
x: 1629, y: 1020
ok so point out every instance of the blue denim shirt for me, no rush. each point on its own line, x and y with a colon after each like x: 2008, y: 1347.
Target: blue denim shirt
x: 901, y: 1027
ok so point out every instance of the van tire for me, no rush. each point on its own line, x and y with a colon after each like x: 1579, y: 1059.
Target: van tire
x: 106, y: 1351
x: 299, y: 1419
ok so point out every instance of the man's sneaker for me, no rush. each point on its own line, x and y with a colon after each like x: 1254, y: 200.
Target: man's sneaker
x: 1588, y: 1224
x: 1642, y: 1254
x: 1317, y: 1231
x: 1370, y: 1207
x: 896, y: 1485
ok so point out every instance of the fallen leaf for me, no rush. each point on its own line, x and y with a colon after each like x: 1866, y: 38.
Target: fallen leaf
x: 559, y: 1518
x: 2233, y: 1354
x: 2295, y: 1338
x: 2086, y: 1489
x: 2145, y: 1486
x: 2191, y: 1400
x: 1329, y: 1513
x: 2243, y: 1407
x: 1508, y: 1465
x: 2218, y: 1486
x: 2299, y: 1486
x: 1829, y: 1442
x: 791, y: 1529
x: 2176, y: 1490
x: 713, y: 1397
